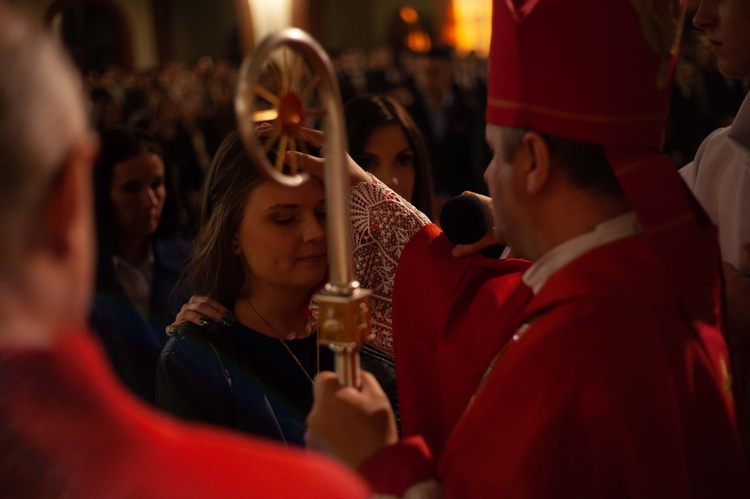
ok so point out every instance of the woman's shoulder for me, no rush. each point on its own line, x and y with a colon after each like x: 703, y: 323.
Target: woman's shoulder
x: 193, y: 344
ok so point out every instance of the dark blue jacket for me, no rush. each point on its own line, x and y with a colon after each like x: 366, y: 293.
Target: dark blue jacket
x: 133, y: 342
x: 238, y: 378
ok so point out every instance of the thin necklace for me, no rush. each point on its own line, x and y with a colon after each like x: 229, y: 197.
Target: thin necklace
x: 278, y: 337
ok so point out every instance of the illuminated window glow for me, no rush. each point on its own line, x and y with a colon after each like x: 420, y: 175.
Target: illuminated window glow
x: 269, y: 16
x: 473, y: 24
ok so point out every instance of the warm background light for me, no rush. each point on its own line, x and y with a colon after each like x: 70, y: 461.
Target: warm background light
x: 408, y: 15
x: 472, y: 25
x: 269, y: 16
x: 418, y: 41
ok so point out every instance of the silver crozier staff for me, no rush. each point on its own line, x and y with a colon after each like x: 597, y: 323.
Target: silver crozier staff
x: 275, y: 90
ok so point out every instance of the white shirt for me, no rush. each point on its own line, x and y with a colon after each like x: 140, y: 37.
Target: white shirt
x: 620, y: 227
x: 720, y: 179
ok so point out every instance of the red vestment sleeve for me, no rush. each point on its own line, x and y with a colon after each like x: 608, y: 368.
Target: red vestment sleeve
x: 395, y: 468
x: 450, y: 316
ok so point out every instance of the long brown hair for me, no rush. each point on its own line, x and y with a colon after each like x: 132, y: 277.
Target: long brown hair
x: 214, y: 270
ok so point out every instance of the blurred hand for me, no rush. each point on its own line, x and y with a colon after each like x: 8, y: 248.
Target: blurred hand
x: 201, y: 310
x: 350, y: 424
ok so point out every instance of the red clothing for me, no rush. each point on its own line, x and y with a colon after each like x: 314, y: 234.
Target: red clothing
x: 608, y: 392
x: 67, y: 428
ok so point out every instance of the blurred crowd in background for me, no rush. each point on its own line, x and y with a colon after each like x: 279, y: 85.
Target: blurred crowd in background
x: 190, y: 109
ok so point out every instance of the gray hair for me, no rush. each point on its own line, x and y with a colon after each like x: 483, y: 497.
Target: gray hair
x: 42, y: 119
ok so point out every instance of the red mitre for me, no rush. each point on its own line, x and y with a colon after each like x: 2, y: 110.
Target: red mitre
x: 600, y: 71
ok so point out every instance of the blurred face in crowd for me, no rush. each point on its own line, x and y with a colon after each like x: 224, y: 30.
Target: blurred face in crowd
x: 282, y: 237
x: 388, y: 155
x: 726, y: 24
x: 138, y: 193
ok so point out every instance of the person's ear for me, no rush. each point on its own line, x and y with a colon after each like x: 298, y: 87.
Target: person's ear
x: 68, y: 213
x: 538, y: 166
x: 236, y: 248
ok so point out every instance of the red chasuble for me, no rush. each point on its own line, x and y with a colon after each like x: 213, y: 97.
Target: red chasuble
x: 450, y: 317
x: 606, y: 390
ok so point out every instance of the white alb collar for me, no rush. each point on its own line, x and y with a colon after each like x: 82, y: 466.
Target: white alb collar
x: 616, y: 228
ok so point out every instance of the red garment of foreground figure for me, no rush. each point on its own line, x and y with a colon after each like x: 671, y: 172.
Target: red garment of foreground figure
x: 68, y: 429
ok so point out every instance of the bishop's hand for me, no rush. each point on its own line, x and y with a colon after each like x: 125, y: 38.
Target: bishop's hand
x: 349, y: 424
x: 312, y: 164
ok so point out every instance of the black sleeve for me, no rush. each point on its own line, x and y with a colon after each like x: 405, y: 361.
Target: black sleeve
x: 190, y: 383
x: 197, y: 379
x: 383, y: 368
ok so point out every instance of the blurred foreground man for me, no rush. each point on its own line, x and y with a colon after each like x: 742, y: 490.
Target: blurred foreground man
x: 600, y: 370
x: 67, y: 427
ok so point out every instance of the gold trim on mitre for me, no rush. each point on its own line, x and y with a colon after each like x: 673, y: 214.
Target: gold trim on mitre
x: 588, y: 118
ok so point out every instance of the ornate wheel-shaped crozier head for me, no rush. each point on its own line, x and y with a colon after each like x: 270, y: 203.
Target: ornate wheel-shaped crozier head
x: 288, y: 83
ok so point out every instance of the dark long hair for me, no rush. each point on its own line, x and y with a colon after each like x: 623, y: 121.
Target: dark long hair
x: 365, y: 114
x: 121, y: 144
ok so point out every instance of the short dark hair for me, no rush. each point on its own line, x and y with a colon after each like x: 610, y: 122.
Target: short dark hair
x: 584, y: 163
x: 439, y: 52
